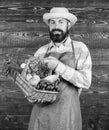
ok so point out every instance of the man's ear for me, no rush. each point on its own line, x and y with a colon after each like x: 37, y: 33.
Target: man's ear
x: 69, y: 25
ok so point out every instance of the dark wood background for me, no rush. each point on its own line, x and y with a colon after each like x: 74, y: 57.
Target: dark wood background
x: 22, y: 32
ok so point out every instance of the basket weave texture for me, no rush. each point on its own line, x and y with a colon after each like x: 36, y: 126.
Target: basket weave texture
x: 45, y: 91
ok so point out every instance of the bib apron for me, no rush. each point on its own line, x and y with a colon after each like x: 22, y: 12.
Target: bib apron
x: 64, y: 113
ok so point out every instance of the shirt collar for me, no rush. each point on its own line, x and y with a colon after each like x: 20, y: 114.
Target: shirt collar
x: 65, y: 43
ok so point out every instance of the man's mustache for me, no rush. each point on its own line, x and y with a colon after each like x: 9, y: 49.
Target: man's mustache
x: 57, y: 30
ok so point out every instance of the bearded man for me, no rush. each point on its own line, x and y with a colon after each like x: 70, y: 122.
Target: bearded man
x: 72, y: 61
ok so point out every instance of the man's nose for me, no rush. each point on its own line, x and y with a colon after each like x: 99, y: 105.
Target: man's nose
x: 56, y: 25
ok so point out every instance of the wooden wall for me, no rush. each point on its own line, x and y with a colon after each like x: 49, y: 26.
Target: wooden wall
x: 22, y: 32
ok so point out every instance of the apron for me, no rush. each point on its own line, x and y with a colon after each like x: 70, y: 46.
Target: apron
x: 64, y: 113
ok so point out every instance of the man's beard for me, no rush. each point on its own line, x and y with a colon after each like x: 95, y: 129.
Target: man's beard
x: 59, y: 36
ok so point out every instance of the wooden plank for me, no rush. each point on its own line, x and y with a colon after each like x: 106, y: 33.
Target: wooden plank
x: 87, y: 16
x: 37, y: 38
x: 15, y: 109
x: 95, y: 112
x: 14, y: 122
x: 19, y: 27
x: 99, y: 56
x: 100, y: 79
x: 92, y: 27
x: 57, y: 3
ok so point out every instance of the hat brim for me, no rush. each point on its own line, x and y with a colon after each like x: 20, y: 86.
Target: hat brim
x: 72, y: 18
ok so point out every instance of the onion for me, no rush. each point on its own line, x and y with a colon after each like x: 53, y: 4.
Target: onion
x: 34, y: 80
x: 28, y: 77
x: 52, y: 78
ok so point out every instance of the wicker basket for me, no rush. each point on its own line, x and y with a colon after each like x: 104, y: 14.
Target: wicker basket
x: 32, y: 93
x: 40, y: 96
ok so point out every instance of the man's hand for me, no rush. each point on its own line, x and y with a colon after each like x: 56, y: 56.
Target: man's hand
x: 52, y: 62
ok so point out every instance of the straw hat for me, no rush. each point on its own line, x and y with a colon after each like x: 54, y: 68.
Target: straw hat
x: 60, y: 12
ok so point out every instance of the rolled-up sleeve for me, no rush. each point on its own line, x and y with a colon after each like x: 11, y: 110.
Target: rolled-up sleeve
x: 80, y: 76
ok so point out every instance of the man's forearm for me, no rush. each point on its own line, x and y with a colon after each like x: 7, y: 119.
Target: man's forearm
x: 79, y: 78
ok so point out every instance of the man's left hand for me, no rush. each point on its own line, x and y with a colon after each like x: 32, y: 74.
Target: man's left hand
x: 52, y: 62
